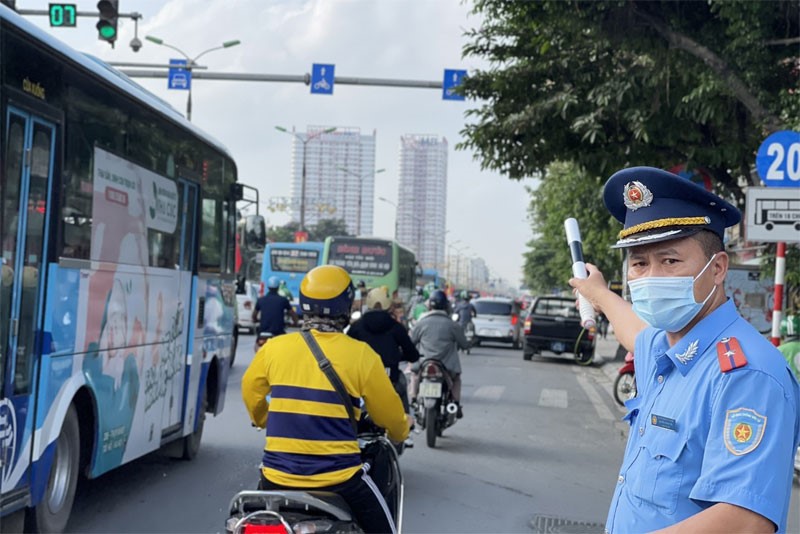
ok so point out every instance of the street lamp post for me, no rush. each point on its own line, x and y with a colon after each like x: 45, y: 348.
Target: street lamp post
x: 303, y: 172
x: 360, y: 190
x: 395, y: 213
x: 191, y: 63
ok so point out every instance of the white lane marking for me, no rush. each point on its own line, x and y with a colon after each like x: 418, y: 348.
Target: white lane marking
x: 594, y: 397
x: 553, y: 398
x: 490, y: 393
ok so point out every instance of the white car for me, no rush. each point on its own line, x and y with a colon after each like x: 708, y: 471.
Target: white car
x: 246, y: 303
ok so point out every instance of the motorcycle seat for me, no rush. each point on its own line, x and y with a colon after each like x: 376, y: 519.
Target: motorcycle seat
x: 334, y: 499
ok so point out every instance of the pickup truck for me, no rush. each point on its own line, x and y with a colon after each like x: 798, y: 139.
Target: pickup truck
x: 553, y: 324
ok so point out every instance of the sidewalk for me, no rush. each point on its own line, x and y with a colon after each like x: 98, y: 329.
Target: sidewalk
x: 605, y: 355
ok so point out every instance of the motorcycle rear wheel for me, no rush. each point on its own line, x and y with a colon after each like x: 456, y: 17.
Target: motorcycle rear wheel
x: 431, y: 422
x: 624, y: 388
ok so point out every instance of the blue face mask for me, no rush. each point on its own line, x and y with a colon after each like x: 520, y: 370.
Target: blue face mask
x: 667, y: 302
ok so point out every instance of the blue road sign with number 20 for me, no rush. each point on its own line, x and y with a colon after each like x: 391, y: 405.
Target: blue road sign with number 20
x: 778, y: 160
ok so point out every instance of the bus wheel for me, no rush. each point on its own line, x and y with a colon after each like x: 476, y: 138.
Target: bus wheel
x: 52, y: 513
x: 191, y: 443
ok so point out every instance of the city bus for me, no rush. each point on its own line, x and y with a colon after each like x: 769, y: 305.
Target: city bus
x: 376, y: 262
x: 117, y: 237
x: 289, y: 263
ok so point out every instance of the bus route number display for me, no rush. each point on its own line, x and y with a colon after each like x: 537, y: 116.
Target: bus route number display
x: 63, y: 15
x: 362, y: 258
x: 293, y: 260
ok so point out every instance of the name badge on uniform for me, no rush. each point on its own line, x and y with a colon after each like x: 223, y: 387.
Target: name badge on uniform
x: 664, y: 422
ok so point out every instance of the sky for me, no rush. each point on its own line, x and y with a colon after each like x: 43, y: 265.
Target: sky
x: 410, y: 39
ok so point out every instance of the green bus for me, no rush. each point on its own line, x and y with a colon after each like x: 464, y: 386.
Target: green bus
x: 376, y: 262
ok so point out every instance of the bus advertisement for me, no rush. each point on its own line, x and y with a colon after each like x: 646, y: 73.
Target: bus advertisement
x: 289, y: 263
x: 376, y: 262
x: 117, y: 242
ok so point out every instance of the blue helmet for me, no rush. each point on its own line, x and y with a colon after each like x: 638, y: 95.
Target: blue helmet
x: 273, y: 282
x: 438, y: 300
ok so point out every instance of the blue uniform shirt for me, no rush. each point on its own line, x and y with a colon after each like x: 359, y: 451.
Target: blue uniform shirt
x: 700, y: 436
x: 271, y: 308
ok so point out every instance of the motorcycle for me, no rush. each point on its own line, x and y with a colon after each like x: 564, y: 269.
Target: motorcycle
x: 435, y: 409
x: 298, y: 511
x: 625, y: 383
x: 469, y: 331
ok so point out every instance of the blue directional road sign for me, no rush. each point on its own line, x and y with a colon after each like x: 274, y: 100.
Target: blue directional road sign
x: 452, y: 79
x: 179, y: 77
x: 778, y: 159
x: 322, y: 79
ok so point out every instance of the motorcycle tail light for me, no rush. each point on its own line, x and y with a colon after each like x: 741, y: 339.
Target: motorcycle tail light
x: 265, y: 529
x: 432, y: 371
x: 590, y: 334
x: 261, y: 289
x: 514, y: 320
x: 528, y: 324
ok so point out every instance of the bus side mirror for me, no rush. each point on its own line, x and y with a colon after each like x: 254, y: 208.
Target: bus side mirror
x: 255, y: 232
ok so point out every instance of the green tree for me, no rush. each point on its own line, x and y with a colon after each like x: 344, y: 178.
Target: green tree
x: 632, y: 82
x: 568, y: 191
x: 328, y: 227
x: 282, y: 234
x: 318, y: 232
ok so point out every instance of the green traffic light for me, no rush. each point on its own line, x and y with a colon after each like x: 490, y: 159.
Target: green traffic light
x: 107, y: 31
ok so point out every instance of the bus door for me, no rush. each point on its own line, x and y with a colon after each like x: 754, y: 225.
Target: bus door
x: 25, y: 200
x: 189, y: 193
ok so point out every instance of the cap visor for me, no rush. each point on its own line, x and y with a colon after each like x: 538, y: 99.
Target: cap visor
x: 656, y: 236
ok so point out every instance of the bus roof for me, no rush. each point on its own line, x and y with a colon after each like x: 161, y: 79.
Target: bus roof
x: 108, y: 73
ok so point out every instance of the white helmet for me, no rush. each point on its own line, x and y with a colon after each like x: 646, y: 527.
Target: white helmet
x: 379, y: 295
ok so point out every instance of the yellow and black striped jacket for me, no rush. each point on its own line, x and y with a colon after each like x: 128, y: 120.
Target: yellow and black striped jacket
x: 310, y: 442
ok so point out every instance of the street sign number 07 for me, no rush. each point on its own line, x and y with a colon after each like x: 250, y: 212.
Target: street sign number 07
x: 778, y: 159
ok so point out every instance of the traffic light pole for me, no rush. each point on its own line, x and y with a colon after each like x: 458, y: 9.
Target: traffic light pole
x: 133, y: 15
x: 288, y: 78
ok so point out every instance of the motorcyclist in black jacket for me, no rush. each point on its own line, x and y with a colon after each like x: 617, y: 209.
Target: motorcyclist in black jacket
x: 387, y: 337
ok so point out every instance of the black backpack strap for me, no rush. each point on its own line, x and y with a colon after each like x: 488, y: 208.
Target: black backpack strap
x: 330, y: 372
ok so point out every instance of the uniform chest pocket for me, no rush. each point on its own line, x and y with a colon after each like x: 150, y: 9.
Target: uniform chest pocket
x: 660, y: 472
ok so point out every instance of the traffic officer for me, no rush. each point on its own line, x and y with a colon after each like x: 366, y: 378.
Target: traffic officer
x: 716, y: 422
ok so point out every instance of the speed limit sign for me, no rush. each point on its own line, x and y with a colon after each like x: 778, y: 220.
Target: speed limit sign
x: 778, y: 160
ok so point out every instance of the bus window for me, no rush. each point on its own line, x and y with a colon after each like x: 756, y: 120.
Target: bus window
x: 210, y: 233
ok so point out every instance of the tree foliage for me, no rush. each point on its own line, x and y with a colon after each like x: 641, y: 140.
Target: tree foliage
x: 632, y: 82
x: 318, y: 232
x: 568, y: 191
x: 617, y: 83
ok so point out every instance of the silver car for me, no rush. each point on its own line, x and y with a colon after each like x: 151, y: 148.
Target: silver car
x: 497, y: 319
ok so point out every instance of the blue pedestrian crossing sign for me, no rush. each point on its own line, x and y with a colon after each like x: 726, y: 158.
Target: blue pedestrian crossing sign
x: 452, y: 79
x: 322, y: 79
x: 179, y: 77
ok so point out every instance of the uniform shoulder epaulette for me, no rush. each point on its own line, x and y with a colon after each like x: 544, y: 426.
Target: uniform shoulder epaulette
x: 730, y: 354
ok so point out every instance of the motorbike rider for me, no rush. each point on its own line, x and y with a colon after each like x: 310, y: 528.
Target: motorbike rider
x: 465, y: 310
x: 439, y: 337
x: 310, y: 441
x: 379, y: 329
x: 270, y: 309
x: 790, y: 345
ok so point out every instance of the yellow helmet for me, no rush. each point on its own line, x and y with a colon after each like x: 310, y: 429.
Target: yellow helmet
x: 327, y: 291
x: 379, y: 295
